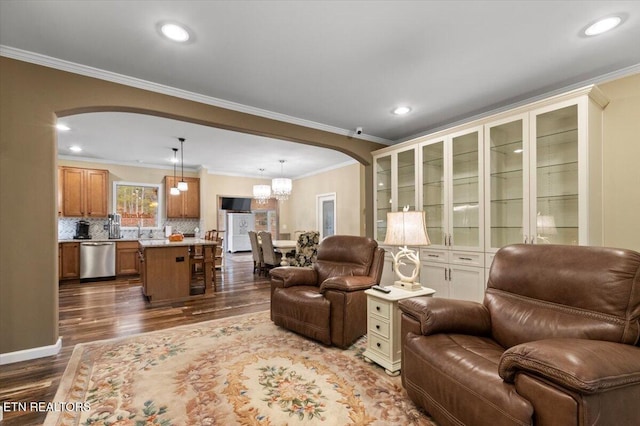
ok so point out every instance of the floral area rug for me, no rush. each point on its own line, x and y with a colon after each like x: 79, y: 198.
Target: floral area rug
x: 235, y: 371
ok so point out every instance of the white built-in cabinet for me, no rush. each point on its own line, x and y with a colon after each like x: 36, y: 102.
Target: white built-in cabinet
x: 395, y: 183
x: 451, y: 177
x: 543, y: 180
x: 530, y: 175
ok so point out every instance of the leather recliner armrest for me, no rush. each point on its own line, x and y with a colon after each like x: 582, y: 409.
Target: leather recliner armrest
x: 291, y: 276
x: 437, y: 315
x: 585, y: 366
x: 347, y: 283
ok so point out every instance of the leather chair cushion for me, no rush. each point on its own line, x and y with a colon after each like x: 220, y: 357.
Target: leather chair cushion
x: 546, y: 291
x: 462, y: 376
x: 304, y: 310
x: 347, y: 255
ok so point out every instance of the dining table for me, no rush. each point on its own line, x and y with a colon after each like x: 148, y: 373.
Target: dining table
x: 284, y: 246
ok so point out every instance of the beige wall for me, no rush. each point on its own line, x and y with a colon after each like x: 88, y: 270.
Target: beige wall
x: 227, y: 186
x: 299, y: 212
x: 296, y: 213
x: 621, y: 156
x: 32, y: 98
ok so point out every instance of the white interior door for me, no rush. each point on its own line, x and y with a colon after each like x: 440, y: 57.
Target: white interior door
x: 326, y: 214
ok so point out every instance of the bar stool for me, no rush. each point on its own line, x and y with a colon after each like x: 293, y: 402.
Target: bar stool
x: 196, y: 257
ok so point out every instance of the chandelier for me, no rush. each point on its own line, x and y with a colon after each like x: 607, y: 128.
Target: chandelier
x: 281, y: 186
x: 261, y: 193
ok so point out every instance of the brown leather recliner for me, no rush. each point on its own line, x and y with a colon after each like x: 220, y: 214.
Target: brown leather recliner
x: 326, y: 301
x: 555, y: 342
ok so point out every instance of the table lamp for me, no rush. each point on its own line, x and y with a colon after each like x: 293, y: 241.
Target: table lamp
x: 407, y: 228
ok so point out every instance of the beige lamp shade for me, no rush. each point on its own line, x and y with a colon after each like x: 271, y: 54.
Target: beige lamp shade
x: 406, y: 229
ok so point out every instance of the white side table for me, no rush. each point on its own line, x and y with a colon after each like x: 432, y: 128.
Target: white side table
x: 383, y: 326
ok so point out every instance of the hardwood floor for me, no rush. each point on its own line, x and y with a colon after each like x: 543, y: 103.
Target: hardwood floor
x: 107, y: 309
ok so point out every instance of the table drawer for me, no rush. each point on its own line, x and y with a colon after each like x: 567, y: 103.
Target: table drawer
x: 379, y: 307
x: 379, y: 344
x: 379, y: 326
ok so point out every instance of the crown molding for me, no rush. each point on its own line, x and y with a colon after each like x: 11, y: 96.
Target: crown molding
x: 212, y: 171
x: 604, y: 78
x: 62, y: 65
x: 82, y: 159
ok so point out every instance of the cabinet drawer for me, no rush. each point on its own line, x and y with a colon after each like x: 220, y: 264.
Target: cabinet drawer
x: 378, y: 326
x: 379, y: 307
x: 434, y: 255
x: 120, y: 245
x: 379, y: 344
x: 467, y: 258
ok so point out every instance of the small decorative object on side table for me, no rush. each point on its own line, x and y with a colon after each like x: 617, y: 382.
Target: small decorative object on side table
x: 404, y: 229
x: 383, y: 326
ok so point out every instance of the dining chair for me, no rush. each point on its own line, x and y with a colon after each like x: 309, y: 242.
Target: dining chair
x: 270, y: 257
x: 256, y: 250
x: 306, y: 249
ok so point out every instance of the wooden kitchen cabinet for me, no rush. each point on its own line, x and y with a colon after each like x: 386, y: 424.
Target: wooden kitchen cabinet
x: 187, y: 204
x: 84, y: 192
x: 68, y: 261
x: 127, y: 261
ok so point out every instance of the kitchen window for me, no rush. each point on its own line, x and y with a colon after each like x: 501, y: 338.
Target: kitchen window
x: 138, y: 203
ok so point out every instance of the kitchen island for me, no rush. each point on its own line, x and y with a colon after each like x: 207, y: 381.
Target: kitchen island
x: 165, y: 267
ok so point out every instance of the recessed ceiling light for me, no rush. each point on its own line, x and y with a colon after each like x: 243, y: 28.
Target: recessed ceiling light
x: 62, y: 127
x: 518, y: 151
x: 75, y: 148
x: 603, y: 25
x: 175, y: 32
x: 401, y: 110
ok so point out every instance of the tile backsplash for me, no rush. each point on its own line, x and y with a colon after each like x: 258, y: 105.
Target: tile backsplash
x: 67, y: 228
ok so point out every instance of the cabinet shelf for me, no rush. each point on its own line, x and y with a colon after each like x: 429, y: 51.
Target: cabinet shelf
x: 558, y: 198
x: 473, y: 180
x: 559, y: 137
x: 564, y: 167
x: 508, y: 174
x: 507, y: 200
x: 507, y: 148
x: 435, y: 162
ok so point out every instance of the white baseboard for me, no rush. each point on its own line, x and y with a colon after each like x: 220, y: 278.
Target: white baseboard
x: 33, y: 353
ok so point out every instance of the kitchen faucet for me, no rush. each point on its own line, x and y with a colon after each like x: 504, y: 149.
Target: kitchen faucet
x: 139, y: 232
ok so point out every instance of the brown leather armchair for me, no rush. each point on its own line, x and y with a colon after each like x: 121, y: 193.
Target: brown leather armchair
x: 555, y: 342
x: 326, y: 302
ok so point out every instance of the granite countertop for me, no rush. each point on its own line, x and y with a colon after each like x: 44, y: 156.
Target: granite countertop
x: 149, y: 242
x: 98, y: 240
x: 185, y: 242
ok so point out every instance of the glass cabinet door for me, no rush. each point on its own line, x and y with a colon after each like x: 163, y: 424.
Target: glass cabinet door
x: 383, y: 195
x: 554, y: 216
x: 433, y: 191
x: 506, y: 183
x: 465, y: 191
x: 406, y: 180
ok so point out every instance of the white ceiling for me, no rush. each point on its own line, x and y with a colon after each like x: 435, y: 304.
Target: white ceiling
x: 328, y: 64
x: 144, y: 140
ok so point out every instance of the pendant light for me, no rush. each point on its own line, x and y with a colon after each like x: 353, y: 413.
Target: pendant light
x: 182, y: 185
x: 261, y: 193
x: 174, y: 189
x: 281, y: 186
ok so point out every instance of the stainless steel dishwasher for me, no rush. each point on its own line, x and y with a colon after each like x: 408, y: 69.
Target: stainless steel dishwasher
x: 97, y: 260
